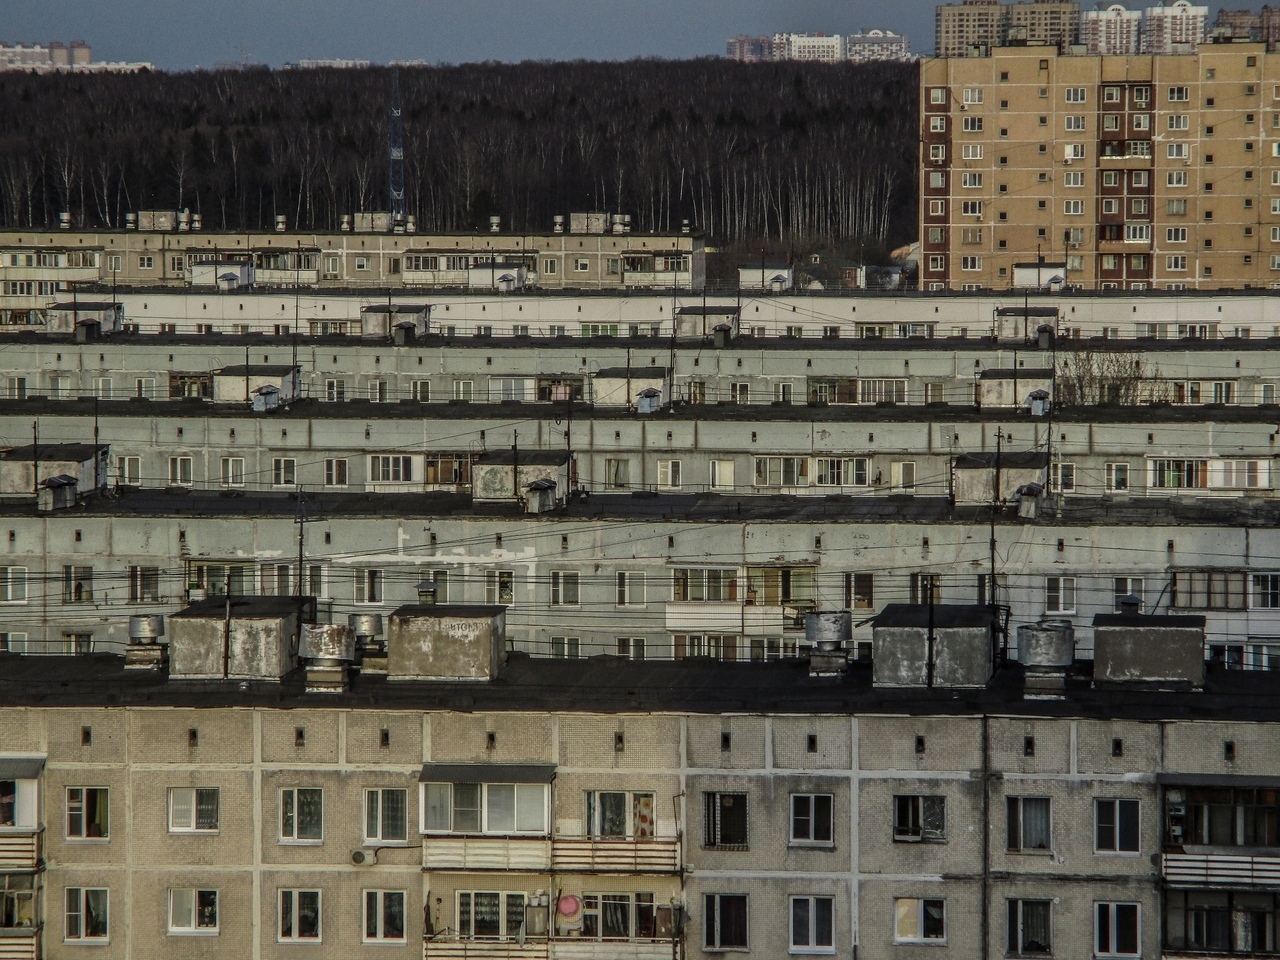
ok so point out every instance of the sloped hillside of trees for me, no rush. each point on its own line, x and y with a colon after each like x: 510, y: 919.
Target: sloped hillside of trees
x: 745, y: 152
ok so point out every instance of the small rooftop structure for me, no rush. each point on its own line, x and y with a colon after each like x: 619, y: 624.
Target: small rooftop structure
x: 974, y: 474
x: 222, y: 274
x: 623, y: 386
x: 509, y: 474
x: 84, y: 465
x: 85, y: 318
x: 382, y: 319
x: 446, y: 642
x: 770, y: 278
x: 237, y: 383
x: 248, y: 638
x: 933, y: 645
x: 1153, y: 648
x: 503, y: 277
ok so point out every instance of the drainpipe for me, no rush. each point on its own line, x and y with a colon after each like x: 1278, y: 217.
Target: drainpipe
x: 986, y: 838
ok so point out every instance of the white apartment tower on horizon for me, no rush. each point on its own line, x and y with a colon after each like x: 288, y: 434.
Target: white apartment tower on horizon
x: 1111, y: 30
x: 1174, y: 27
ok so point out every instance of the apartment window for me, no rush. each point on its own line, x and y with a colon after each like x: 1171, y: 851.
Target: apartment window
x: 1027, y: 825
x: 1116, y: 930
x: 564, y: 588
x: 193, y: 809
x: 971, y: 208
x: 146, y: 263
x: 13, y: 584
x: 919, y: 920
x: 971, y: 124
x: 1209, y: 589
x: 77, y: 584
x: 1265, y: 592
x: 971, y: 151
x: 283, y: 471
x: 1110, y: 122
x: 1029, y: 928
x: 180, y: 471
x: 1176, y: 234
x: 1126, y: 587
x: 939, y: 95
x: 1175, y: 264
x: 926, y: 588
x: 721, y: 474
x: 970, y: 180
x: 335, y: 472
x: 630, y: 588
x: 384, y: 916
x: 499, y: 587
x: 704, y: 585
x: 1176, y: 151
x: 631, y: 647
x: 1075, y: 178
x: 619, y: 814
x: 937, y: 151
x: 1179, y: 94
x: 1074, y: 151
x: 463, y: 390
x: 1110, y: 205
x: 669, y: 474
x: 479, y: 808
x: 335, y: 390
x: 300, y: 915
x: 812, y: 818
x: 937, y: 124
x: 1115, y: 826
x: 302, y: 815
x: 88, y: 813
x: 550, y: 266
x: 813, y: 925
x: 838, y: 472
x: 917, y: 818
x: 971, y: 263
x: 85, y: 914
x: 232, y: 471
x: 421, y: 391
x: 1060, y: 594
x: 937, y: 263
x: 390, y: 469
x: 937, y: 208
x: 1074, y: 123
x: 859, y: 590
x: 1075, y: 94
x: 581, y: 265
x: 617, y: 474
x: 386, y: 815
x: 566, y: 648
x: 144, y: 584
x: 368, y: 586
x: 724, y: 918
x: 1179, y: 121
x: 193, y: 911
x: 725, y: 823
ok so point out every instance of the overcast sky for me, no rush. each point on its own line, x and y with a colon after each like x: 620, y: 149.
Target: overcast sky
x: 182, y: 34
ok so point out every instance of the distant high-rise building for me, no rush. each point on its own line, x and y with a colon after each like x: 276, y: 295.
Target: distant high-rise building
x: 876, y: 45
x: 1111, y: 30
x: 38, y: 58
x: 1177, y: 26
x: 809, y: 46
x: 749, y: 49
x: 1259, y: 26
x: 975, y: 27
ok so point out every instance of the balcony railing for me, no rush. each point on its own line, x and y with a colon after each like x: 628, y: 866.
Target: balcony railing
x: 576, y: 948
x: 1209, y: 871
x: 19, y: 944
x: 456, y: 949
x: 20, y: 851
x: 596, y: 855
x: 486, y: 853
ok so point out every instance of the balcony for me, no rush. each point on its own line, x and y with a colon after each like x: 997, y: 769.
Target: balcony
x: 19, y: 943
x: 268, y: 277
x: 576, y: 948
x: 19, y: 851
x: 596, y: 855
x: 450, y: 949
x: 486, y: 853
x: 1220, y: 871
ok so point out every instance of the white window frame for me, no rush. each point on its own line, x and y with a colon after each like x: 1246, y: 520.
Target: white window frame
x: 805, y: 941
x: 191, y: 925
x: 232, y: 471
x: 294, y: 898
x: 1111, y: 911
x: 1064, y: 587
x: 13, y: 585
x: 181, y: 471
x: 337, y: 472
x: 176, y: 804
x: 376, y: 809
x: 669, y: 475
x: 74, y: 904
x: 370, y: 585
x: 629, y: 588
x: 493, y: 587
x: 913, y: 908
x: 289, y: 807
x: 77, y: 805
x: 284, y: 472
x: 378, y: 901
x: 805, y: 808
x: 566, y: 588
x: 525, y: 798
x: 712, y: 939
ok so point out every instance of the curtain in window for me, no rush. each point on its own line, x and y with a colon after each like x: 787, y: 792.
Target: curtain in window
x: 1035, y: 824
x: 8, y: 802
x: 206, y: 809
x: 733, y: 921
x: 615, y: 916
x: 95, y: 913
x: 96, y: 801
x: 1035, y: 927
x: 394, y: 815
x: 642, y: 815
x: 613, y: 814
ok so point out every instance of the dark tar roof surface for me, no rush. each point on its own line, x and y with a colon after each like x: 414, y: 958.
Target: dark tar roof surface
x: 255, y: 370
x: 608, y: 684
x: 1016, y: 459
x: 939, y: 614
x: 541, y: 458
x: 1156, y: 621
x: 54, y: 452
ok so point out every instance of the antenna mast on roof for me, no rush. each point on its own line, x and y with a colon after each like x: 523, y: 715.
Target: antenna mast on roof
x: 395, y: 167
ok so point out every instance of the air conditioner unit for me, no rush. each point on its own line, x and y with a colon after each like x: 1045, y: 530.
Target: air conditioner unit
x: 364, y: 857
x: 1067, y: 161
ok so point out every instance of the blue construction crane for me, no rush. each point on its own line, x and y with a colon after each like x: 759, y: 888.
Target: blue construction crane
x: 395, y: 171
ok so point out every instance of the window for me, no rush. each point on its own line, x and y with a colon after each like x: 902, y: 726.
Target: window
x: 144, y: 584
x: 77, y: 584
x: 490, y: 914
x: 564, y: 588
x: 725, y: 823
x: 232, y: 471
x: 550, y: 266
x: 1074, y: 123
x: 669, y: 474
x: 1060, y: 594
x: 617, y: 473
x: 420, y: 390
x: 180, y: 471
x: 917, y: 818
x: 836, y: 472
x: 813, y: 925
x: 619, y: 814
x: 13, y: 584
x: 939, y: 95
x: 378, y: 391
x: 87, y: 813
x: 384, y: 916
x: 630, y: 588
x: 970, y: 180
x: 859, y: 590
x: 362, y: 263
x: 937, y: 124
x: 193, y: 911
x: 971, y: 124
x: 478, y: 808
x: 463, y: 390
x: 1074, y: 94
x: 1176, y: 151
x: 1116, y: 930
x: 937, y: 151
x: 1075, y: 178
x: 1265, y: 592
x: 193, y: 809
x: 971, y: 208
x: 283, y: 471
x: 335, y: 390
x: 1122, y: 587
x: 781, y: 471
x: 300, y: 915
x: 566, y: 648
x: 902, y: 475
x: 919, y: 921
x: 386, y: 815
x: 699, y: 585
x: 335, y: 472
x: 1064, y: 476
x: 301, y: 815
x: 1209, y: 589
x: 581, y: 265
x: 1178, y: 474
x: 146, y: 263
x: 1029, y: 928
x: 1179, y: 94
x: 368, y: 586
x: 385, y: 468
x: 1176, y: 178
x: 1176, y: 234
x: 499, y: 587
x: 971, y: 151
x: 1028, y: 823
x: 85, y: 916
x: 812, y: 818
x: 926, y: 588
x: 724, y: 919
x: 721, y: 474
x: 631, y: 647
x: 970, y: 263
x: 1115, y: 826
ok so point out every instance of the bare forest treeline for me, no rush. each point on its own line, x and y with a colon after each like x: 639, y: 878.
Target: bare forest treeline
x: 745, y: 152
